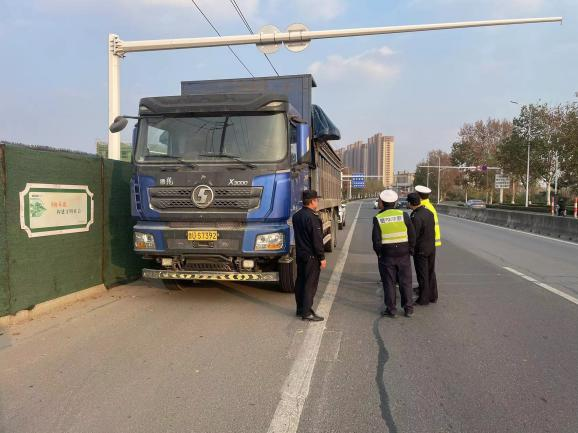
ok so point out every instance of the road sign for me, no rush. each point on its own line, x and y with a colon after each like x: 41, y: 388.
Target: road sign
x: 502, y: 181
x: 358, y: 180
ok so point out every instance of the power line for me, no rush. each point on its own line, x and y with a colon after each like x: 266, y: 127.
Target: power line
x: 217, y: 32
x: 240, y: 13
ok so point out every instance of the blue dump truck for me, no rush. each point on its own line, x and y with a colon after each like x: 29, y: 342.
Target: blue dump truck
x: 218, y: 172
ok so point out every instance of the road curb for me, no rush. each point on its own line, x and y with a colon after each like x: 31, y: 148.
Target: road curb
x: 51, y: 305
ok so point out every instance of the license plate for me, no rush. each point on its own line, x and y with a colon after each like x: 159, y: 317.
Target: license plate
x: 202, y: 235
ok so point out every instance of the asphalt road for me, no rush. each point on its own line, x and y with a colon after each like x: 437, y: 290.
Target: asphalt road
x: 497, y: 353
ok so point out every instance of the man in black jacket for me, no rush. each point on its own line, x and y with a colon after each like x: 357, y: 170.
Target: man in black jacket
x: 424, y: 254
x: 310, y: 253
x: 393, y: 240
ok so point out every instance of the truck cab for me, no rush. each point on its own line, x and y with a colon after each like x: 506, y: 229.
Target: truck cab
x: 218, y: 175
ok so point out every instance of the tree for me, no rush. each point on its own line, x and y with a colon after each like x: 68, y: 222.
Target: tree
x: 568, y: 152
x: 539, y: 126
x: 477, y: 146
x: 448, y: 177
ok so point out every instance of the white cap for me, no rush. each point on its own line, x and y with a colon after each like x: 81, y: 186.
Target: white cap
x: 423, y: 189
x: 388, y: 196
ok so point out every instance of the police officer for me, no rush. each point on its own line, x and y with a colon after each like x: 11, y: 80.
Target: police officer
x: 424, y: 192
x: 393, y: 239
x: 424, y: 251
x: 310, y: 253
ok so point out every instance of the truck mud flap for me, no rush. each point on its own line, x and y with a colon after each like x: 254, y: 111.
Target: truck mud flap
x: 210, y: 276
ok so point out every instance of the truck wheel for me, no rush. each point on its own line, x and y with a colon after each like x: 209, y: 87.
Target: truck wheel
x: 288, y: 275
x: 333, y: 232
x: 334, y: 226
x: 328, y: 247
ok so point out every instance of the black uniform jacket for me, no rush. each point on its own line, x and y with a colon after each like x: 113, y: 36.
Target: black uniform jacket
x: 424, y: 224
x: 308, y: 231
x: 393, y: 250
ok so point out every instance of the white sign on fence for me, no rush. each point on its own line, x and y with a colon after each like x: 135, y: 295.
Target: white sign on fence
x: 48, y: 209
x: 502, y: 181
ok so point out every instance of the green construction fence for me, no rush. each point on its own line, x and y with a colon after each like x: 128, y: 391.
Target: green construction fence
x: 37, y: 269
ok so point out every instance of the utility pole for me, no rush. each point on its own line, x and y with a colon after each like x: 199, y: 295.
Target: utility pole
x: 439, y: 176
x: 528, y: 159
x: 296, y: 38
x: 528, y: 166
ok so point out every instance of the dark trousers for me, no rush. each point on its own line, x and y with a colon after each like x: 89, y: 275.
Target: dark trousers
x: 426, y: 278
x: 392, y: 270
x: 306, y: 285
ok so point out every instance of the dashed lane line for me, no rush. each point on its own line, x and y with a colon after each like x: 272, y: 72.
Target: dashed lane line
x: 544, y: 285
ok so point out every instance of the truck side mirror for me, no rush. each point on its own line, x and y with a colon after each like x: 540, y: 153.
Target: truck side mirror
x: 303, y: 143
x: 118, y: 124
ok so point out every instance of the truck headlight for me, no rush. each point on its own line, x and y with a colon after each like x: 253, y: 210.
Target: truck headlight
x: 144, y: 241
x: 269, y: 242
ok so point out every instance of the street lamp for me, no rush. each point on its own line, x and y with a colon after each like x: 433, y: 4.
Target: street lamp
x: 439, y: 176
x: 529, y: 143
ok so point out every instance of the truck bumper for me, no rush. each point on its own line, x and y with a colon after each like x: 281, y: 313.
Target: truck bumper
x: 210, y: 276
x: 235, y: 241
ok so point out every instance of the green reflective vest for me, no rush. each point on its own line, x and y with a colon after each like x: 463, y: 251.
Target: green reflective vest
x: 392, y: 226
x: 432, y: 209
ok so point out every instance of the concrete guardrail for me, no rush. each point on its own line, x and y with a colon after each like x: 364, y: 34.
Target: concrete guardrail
x: 543, y: 224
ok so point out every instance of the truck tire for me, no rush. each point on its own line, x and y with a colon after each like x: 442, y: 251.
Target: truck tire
x: 288, y: 275
x: 333, y: 232
x: 334, y: 228
x: 328, y: 247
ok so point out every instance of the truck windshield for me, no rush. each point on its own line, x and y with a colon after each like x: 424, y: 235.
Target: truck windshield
x: 251, y: 138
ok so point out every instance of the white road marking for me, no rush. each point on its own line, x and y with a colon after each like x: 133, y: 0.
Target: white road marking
x: 296, y: 387
x: 544, y: 286
x: 512, y: 230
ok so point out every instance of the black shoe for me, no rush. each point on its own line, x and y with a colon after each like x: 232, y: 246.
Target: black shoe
x: 408, y: 313
x: 313, y: 318
x: 299, y: 313
x: 387, y: 313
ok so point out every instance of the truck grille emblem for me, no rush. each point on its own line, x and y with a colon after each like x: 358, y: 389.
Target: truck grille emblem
x: 203, y: 196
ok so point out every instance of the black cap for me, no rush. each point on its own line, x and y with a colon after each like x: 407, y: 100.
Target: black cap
x: 413, y: 199
x: 310, y: 194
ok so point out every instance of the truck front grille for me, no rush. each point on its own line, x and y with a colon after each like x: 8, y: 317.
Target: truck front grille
x: 179, y: 198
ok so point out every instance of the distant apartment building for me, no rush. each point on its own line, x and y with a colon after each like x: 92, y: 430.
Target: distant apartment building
x: 125, y: 150
x: 372, y: 158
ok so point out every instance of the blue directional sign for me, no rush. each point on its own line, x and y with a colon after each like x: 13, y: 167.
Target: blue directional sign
x: 358, y: 180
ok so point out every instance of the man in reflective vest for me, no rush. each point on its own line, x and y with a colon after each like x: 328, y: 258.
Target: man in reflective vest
x: 424, y: 192
x: 393, y: 239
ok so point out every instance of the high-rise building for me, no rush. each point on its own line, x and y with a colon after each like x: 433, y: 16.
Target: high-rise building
x: 374, y: 158
x: 125, y: 150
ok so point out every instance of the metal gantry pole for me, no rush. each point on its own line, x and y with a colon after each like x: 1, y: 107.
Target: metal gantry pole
x: 113, y: 95
x: 296, y: 38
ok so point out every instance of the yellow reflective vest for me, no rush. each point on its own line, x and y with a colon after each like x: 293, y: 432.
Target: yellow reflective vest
x: 432, y: 209
x: 392, y: 226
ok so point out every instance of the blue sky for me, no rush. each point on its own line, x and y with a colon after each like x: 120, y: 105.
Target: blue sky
x: 420, y: 87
